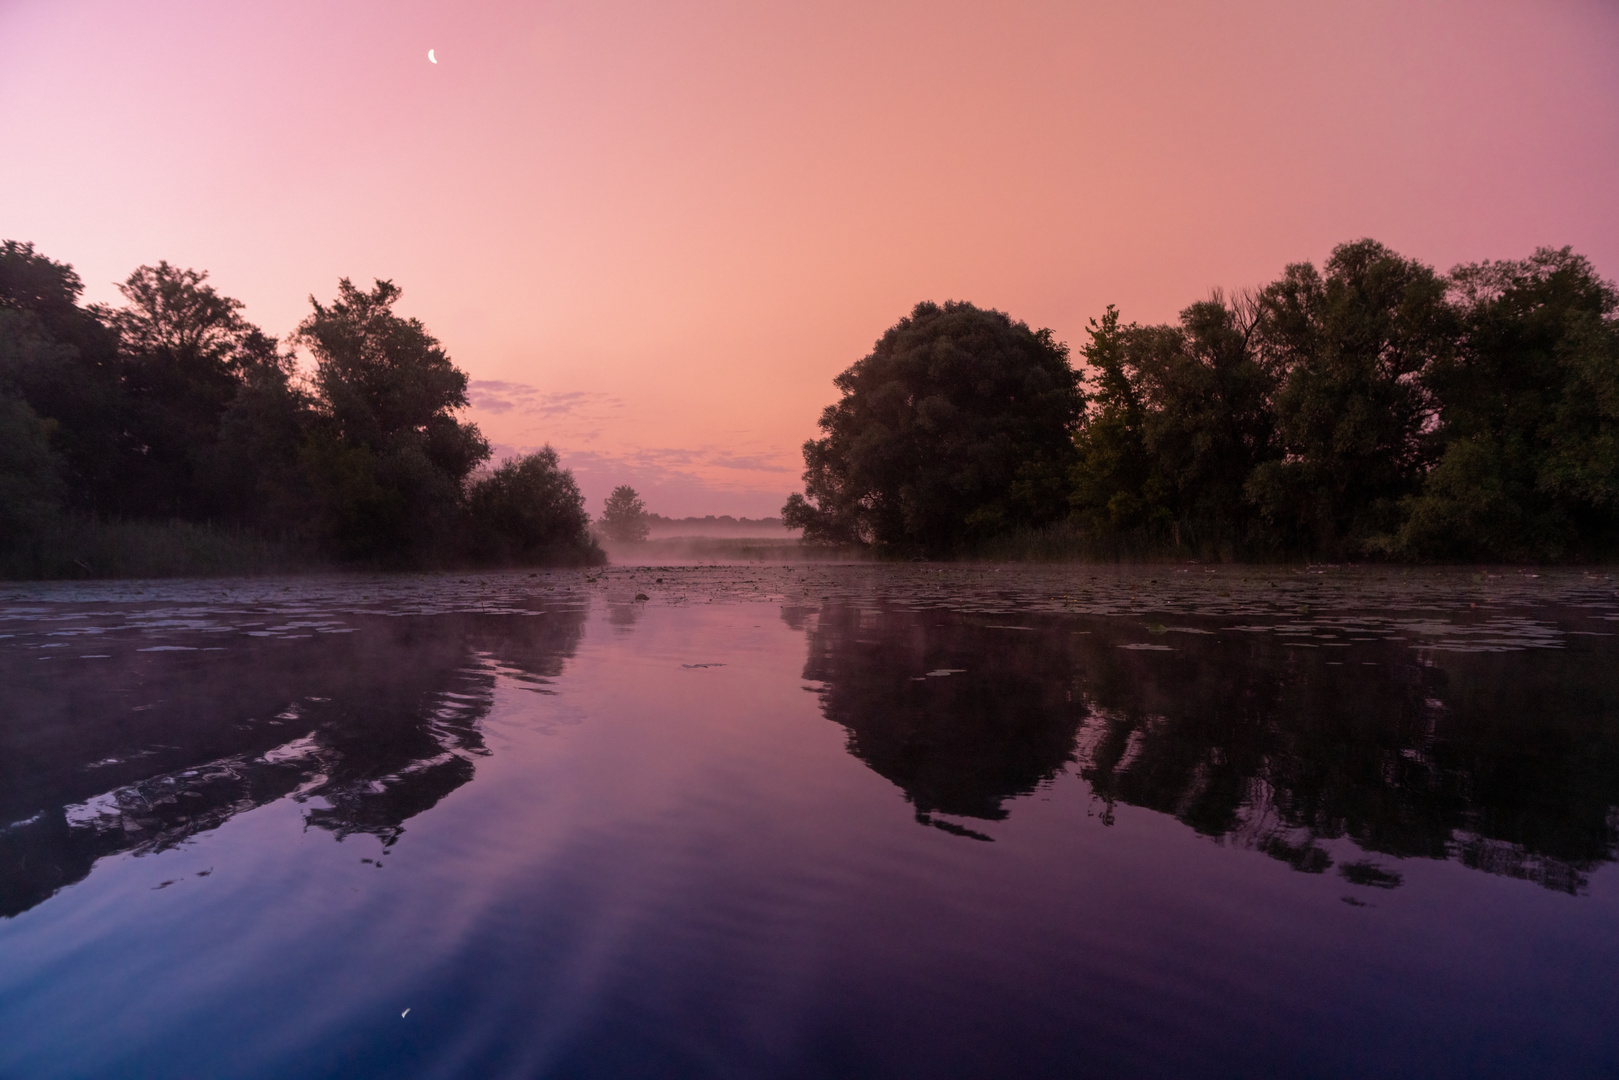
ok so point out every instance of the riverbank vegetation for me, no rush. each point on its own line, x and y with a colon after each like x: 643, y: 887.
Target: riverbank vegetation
x: 171, y: 436
x: 1371, y: 408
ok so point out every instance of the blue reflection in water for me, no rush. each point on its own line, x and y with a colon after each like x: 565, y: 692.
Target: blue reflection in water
x: 880, y: 834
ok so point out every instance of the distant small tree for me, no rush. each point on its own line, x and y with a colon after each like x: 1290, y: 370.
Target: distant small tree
x: 624, y: 516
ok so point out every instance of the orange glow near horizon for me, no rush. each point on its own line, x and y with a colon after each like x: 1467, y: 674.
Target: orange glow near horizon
x: 653, y: 233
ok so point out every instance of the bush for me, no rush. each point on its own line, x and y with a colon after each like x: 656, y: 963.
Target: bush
x: 529, y: 511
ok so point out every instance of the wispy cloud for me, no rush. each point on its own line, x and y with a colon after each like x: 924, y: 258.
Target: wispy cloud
x: 498, y: 397
x: 744, y: 475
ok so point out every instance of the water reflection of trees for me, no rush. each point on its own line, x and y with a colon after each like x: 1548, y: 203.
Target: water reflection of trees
x: 1508, y: 762
x: 140, y: 751
x: 996, y: 726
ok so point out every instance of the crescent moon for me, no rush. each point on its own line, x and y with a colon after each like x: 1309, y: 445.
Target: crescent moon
x: 431, y: 57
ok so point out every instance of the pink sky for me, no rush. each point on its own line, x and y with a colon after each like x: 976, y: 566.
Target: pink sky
x: 653, y: 232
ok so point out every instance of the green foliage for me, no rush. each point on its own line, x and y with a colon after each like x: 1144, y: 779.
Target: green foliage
x: 529, y: 511
x: 1348, y: 349
x: 31, y: 485
x: 1115, y: 485
x: 254, y: 476
x: 624, y: 516
x: 1530, y: 418
x: 1371, y: 407
x: 61, y: 361
x: 957, y: 426
x: 1178, y: 419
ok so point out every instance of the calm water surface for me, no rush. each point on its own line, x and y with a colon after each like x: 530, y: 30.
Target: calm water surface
x: 820, y: 821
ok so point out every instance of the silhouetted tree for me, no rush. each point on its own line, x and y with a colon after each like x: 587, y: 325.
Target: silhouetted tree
x: 1529, y: 408
x: 387, y: 456
x: 624, y: 516
x: 1348, y: 348
x: 1115, y: 484
x: 31, y: 487
x: 184, y: 351
x: 62, y: 361
x: 1179, y: 418
x: 530, y: 510
x: 255, y: 475
x: 957, y: 427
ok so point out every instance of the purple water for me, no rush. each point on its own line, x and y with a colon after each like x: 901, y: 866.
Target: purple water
x: 813, y: 821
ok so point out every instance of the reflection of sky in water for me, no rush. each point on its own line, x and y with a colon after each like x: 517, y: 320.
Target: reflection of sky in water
x: 814, y: 820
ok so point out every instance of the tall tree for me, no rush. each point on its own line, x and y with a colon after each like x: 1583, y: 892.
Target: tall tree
x: 62, y: 361
x: 184, y: 352
x: 1209, y: 423
x: 1348, y: 347
x: 254, y: 475
x: 388, y: 457
x: 957, y: 426
x: 1115, y: 484
x: 1178, y: 419
x: 1529, y: 406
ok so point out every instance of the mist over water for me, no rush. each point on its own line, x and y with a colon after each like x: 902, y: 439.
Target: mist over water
x: 812, y: 820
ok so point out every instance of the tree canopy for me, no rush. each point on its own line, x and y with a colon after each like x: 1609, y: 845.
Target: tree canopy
x: 173, y: 407
x: 957, y: 426
x: 529, y: 509
x: 1371, y: 407
x: 388, y: 456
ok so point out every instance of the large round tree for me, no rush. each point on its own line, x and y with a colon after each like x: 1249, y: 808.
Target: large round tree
x: 958, y: 426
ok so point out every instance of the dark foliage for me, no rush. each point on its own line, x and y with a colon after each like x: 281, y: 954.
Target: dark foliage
x: 958, y: 426
x: 1371, y: 408
x: 1348, y: 349
x: 31, y: 486
x: 529, y: 510
x: 184, y: 350
x: 387, y: 457
x: 1529, y: 465
x: 175, y: 411
x: 1180, y: 417
x: 62, y: 361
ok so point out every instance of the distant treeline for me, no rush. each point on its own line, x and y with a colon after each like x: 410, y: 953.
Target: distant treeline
x: 1369, y: 408
x: 173, y: 421
x: 726, y: 521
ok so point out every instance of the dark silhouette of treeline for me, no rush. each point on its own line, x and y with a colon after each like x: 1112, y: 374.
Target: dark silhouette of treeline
x: 174, y: 409
x: 1369, y: 408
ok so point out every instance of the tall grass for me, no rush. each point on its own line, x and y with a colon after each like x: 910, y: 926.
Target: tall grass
x: 85, y: 548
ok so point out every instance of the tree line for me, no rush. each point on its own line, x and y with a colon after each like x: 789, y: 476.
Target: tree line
x: 1369, y: 408
x: 173, y: 407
